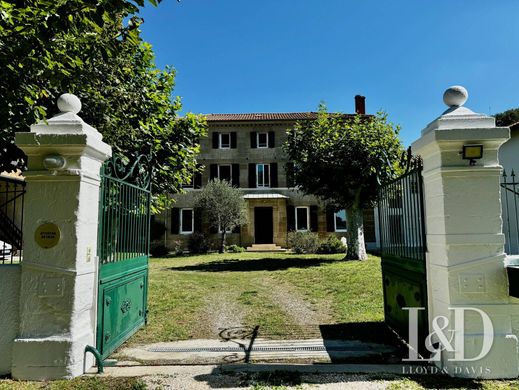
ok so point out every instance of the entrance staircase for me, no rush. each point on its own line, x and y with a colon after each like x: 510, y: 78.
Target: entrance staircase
x: 265, y: 248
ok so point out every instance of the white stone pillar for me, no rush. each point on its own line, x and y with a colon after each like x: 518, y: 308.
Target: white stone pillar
x: 59, y: 283
x: 465, y: 259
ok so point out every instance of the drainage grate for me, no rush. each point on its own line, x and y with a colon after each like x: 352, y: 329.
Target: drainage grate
x: 315, y: 348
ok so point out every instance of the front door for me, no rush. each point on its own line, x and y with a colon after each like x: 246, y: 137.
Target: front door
x: 263, y: 225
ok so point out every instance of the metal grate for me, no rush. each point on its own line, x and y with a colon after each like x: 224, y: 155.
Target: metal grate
x: 309, y: 348
x: 12, y: 193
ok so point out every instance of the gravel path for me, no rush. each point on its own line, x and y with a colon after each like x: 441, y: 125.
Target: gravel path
x: 302, y: 312
x: 222, y: 312
x: 240, y: 382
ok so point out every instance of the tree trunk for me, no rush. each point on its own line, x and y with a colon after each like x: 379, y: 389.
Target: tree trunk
x: 355, y: 234
x: 222, y: 243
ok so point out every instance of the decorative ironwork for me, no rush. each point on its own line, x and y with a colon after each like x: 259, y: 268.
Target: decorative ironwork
x: 403, y: 246
x: 126, y: 305
x: 123, y: 247
x: 125, y: 203
x: 12, y: 192
x: 509, y: 201
x: 401, y: 214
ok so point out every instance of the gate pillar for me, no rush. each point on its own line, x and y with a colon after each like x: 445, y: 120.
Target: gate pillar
x: 465, y: 259
x: 59, y: 269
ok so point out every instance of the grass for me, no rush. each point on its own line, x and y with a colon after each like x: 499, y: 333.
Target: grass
x: 181, y: 287
x: 81, y: 383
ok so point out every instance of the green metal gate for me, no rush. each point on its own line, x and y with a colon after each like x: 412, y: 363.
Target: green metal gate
x: 403, y: 248
x: 123, y: 248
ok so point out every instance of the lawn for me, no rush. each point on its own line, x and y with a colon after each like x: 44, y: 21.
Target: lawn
x: 283, y: 295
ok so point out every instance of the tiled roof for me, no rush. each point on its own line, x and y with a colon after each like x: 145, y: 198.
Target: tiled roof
x: 266, y: 116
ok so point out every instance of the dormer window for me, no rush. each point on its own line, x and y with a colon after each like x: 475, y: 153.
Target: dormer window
x: 225, y: 140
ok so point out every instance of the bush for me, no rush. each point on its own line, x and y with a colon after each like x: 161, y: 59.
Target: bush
x: 234, y: 248
x: 158, y: 250
x: 303, y: 242
x: 157, y: 229
x: 331, y: 245
x: 198, y: 243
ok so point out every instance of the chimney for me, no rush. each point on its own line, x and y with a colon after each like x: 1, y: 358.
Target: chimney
x: 360, y: 104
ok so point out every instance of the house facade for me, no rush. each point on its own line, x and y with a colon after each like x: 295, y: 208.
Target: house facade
x: 247, y: 150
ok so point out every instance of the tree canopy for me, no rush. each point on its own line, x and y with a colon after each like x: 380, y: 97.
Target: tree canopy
x: 341, y: 159
x: 223, y: 206
x: 508, y: 117
x: 93, y: 48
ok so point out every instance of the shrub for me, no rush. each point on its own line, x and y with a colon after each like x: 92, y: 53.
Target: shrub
x: 158, y: 250
x: 157, y: 229
x: 303, y: 242
x: 198, y: 243
x: 234, y: 248
x: 330, y: 245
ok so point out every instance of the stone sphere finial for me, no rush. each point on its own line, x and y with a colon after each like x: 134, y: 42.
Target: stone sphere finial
x: 69, y: 102
x: 455, y: 96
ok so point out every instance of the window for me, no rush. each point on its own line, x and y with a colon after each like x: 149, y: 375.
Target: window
x: 225, y: 172
x: 186, y: 221
x: 225, y: 140
x: 262, y: 175
x: 302, y: 218
x: 263, y: 140
x: 340, y: 221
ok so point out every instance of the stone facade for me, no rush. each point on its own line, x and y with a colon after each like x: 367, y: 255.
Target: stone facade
x: 235, y: 145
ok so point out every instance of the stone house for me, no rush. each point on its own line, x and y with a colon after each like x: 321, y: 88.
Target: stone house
x: 246, y: 149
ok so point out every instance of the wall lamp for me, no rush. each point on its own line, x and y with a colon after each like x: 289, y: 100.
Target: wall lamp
x: 472, y: 153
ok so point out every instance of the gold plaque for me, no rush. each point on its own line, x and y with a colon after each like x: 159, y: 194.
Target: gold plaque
x: 47, y: 235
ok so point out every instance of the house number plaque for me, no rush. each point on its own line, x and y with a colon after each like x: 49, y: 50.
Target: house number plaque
x: 47, y: 235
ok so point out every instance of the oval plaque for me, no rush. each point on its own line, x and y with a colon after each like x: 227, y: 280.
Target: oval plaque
x: 47, y: 235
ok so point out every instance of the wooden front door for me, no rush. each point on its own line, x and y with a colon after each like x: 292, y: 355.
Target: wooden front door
x: 263, y: 225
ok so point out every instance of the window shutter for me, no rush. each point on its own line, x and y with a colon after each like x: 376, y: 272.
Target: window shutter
x: 272, y: 142
x: 274, y: 175
x: 291, y: 218
x: 216, y: 140
x: 313, y: 218
x: 252, y: 175
x: 213, y: 171
x: 175, y: 220
x: 197, y: 227
x: 197, y: 180
x: 235, y: 175
x: 233, y: 140
x: 253, y: 140
x: 289, y: 168
x: 330, y: 220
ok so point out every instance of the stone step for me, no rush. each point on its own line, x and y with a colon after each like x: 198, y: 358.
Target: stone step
x: 265, y: 248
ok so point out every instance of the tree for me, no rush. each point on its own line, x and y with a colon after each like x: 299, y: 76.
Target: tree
x: 508, y: 117
x: 340, y: 159
x: 224, y: 206
x: 85, y: 47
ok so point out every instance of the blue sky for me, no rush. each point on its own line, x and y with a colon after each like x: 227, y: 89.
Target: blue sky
x: 235, y: 56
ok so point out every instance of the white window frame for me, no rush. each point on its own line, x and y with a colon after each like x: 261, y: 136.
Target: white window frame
x: 192, y: 220
x: 257, y: 176
x: 335, y: 223
x: 229, y: 231
x: 258, y: 138
x: 230, y: 171
x: 307, y: 218
x: 220, y: 145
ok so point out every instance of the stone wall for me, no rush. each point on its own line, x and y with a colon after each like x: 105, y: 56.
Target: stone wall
x: 9, y: 307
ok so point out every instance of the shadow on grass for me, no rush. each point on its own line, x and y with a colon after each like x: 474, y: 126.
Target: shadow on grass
x: 266, y: 264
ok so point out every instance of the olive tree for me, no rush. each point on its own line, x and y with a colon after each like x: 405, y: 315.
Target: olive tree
x: 224, y: 207
x: 340, y: 159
